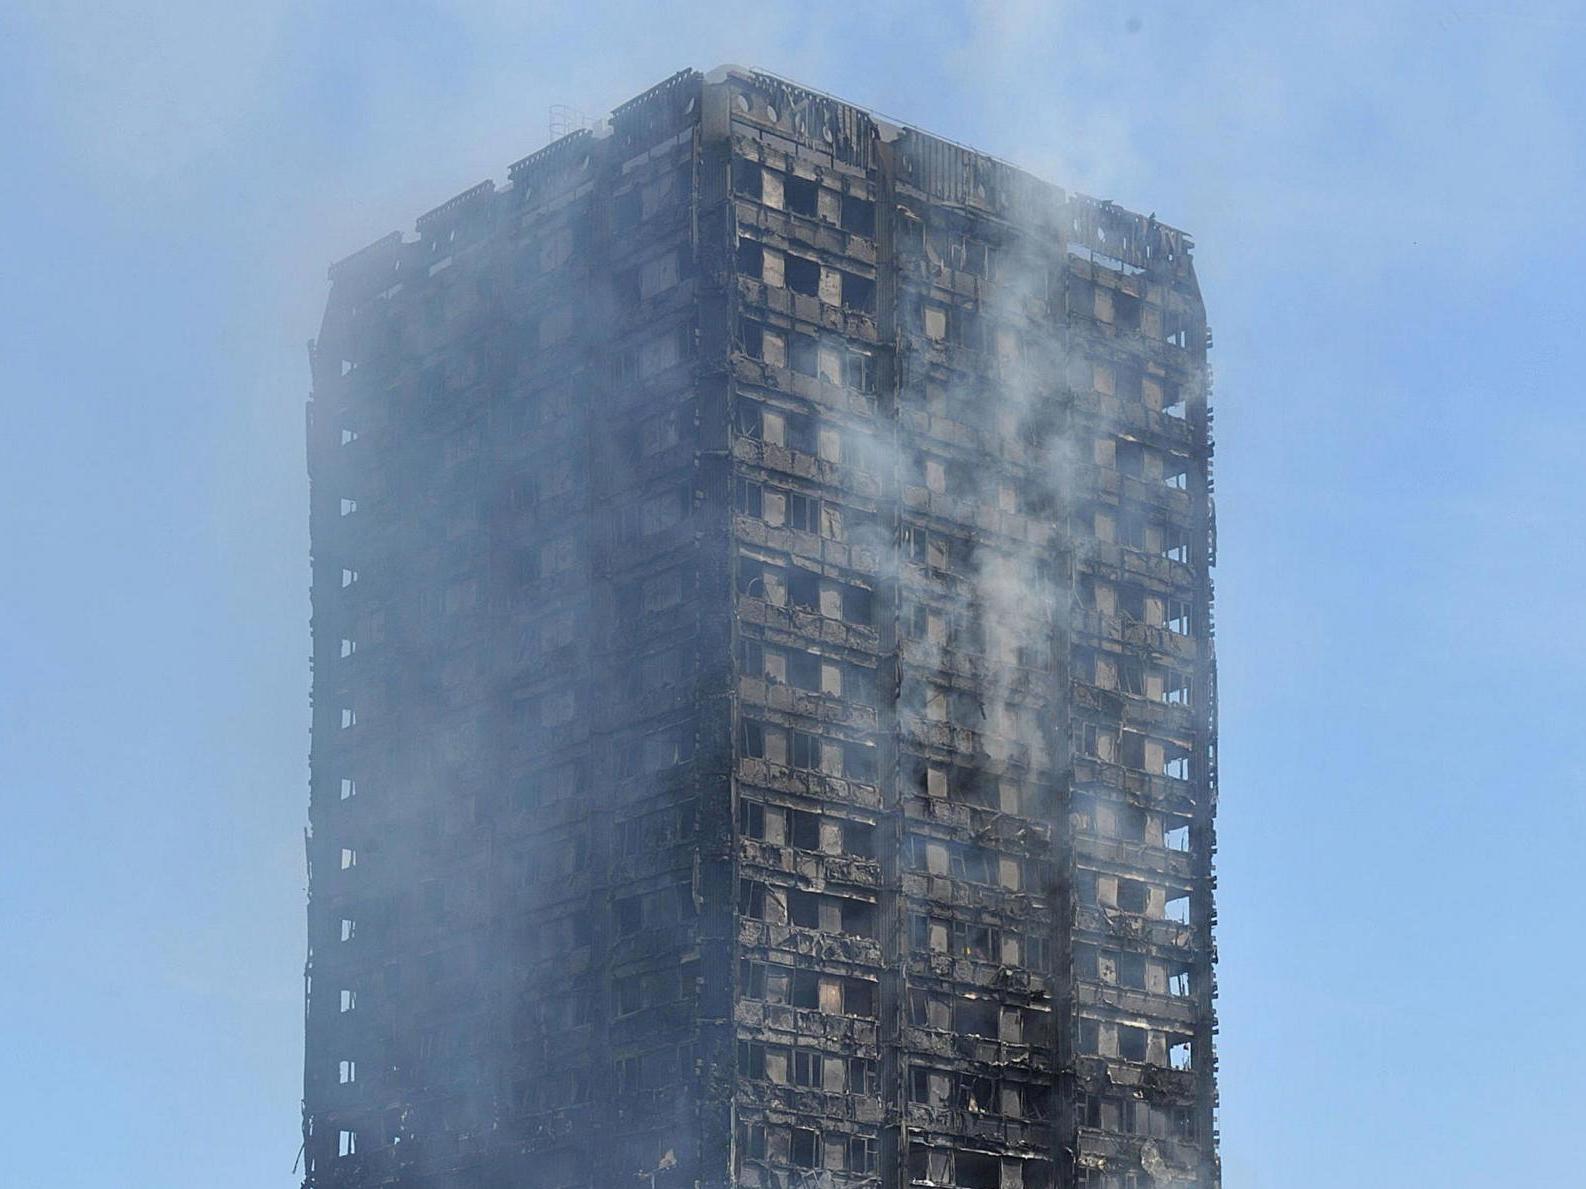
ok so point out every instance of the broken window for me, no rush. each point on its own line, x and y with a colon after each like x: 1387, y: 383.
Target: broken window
x: 859, y: 762
x: 1175, y: 543
x: 974, y: 1092
x: 971, y: 255
x: 1175, y: 328
x: 858, y: 606
x: 801, y: 195
x: 803, y: 354
x: 1132, y: 1042
x: 1126, y: 310
x: 748, y: 498
x: 803, y: 751
x: 800, y: 432
x: 1131, y: 676
x: 973, y: 940
x: 976, y: 1170
x: 804, y: 671
x: 804, y: 829
x: 1173, y: 401
x: 751, y: 899
x: 858, y: 997
x: 861, y: 1150
x: 805, y: 1147
x: 1089, y: 1042
x: 746, y: 178
x: 929, y: 935
x: 759, y: 580
x: 771, y: 188
x: 1133, y: 896
x: 806, y: 1068
x: 1130, y: 531
x: 830, y: 205
x: 1086, y: 962
x: 859, y: 370
x: 1175, y: 761
x: 858, y: 293
x: 831, y: 522
x: 751, y: 257
x: 1176, y: 471
x: 1129, y: 823
x: 858, y: 215
x: 976, y: 1017
x: 858, y: 839
x: 1179, y: 1053
x: 929, y: 1086
x: 1175, y: 687
x: 804, y: 909
x: 802, y: 275
x: 751, y: 819
x: 762, y: 343
x: 803, y: 513
x: 857, y: 918
x: 1178, y: 982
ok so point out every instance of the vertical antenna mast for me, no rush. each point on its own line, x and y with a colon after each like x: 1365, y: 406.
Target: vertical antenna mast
x: 565, y: 118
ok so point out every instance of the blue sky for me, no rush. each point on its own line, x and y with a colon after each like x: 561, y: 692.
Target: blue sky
x: 1387, y: 200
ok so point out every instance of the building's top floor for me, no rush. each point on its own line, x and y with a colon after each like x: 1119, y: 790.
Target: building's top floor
x: 805, y: 125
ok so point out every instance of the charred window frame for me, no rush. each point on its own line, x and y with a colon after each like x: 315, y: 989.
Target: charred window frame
x: 858, y: 215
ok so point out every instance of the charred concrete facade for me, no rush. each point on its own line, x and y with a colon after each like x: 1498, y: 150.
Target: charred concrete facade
x: 764, y: 697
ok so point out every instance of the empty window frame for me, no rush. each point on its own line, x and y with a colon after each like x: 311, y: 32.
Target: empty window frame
x: 1133, y: 896
x: 1132, y: 1042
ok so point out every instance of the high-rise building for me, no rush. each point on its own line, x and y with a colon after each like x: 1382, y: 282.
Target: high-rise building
x: 764, y: 700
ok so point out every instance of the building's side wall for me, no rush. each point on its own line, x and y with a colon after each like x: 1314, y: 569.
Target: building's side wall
x: 530, y: 642
x: 1144, y: 711
x: 933, y: 360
